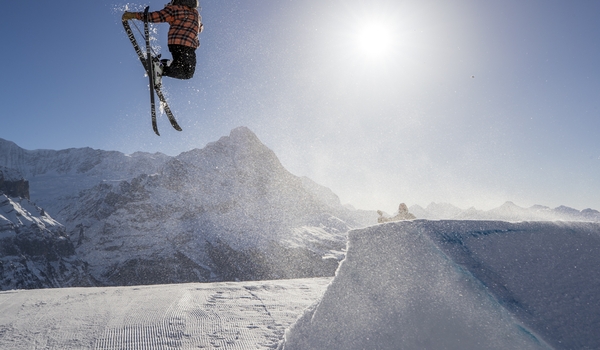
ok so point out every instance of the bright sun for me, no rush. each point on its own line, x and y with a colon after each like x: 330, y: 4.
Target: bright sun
x: 374, y: 40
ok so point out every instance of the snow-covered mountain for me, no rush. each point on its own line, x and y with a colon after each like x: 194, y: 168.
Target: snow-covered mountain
x: 56, y: 176
x: 34, y: 249
x: 227, y: 211
x: 509, y: 211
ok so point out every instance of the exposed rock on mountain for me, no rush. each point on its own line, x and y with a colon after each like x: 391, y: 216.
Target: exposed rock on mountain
x: 13, y: 184
x: 34, y: 249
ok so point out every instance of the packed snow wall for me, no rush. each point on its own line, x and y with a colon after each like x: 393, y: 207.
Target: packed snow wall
x: 460, y: 285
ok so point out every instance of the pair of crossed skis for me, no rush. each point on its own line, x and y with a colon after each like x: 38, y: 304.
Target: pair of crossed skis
x: 149, y: 67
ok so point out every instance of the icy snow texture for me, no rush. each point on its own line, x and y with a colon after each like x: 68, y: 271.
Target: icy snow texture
x: 461, y: 285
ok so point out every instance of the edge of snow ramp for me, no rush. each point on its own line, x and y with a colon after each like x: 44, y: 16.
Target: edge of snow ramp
x: 460, y: 285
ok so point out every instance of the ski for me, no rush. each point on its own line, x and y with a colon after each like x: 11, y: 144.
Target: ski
x: 147, y: 67
x: 150, y: 70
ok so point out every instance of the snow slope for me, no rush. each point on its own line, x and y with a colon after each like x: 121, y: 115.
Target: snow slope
x: 461, y: 285
x: 232, y: 316
x: 405, y: 285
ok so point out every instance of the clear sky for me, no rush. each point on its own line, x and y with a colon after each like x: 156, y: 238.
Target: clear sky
x: 469, y: 102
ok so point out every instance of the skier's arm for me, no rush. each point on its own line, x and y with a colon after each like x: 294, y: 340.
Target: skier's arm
x: 164, y: 15
x: 127, y: 16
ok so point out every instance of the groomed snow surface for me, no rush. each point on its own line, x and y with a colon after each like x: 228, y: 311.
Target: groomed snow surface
x: 406, y: 285
x: 242, y: 315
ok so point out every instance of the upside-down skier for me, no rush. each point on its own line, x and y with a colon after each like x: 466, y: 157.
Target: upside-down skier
x: 185, y: 25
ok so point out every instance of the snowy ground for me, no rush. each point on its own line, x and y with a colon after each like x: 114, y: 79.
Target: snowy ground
x: 241, y: 315
x: 418, y: 284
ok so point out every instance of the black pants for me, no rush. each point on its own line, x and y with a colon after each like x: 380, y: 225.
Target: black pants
x: 184, y: 62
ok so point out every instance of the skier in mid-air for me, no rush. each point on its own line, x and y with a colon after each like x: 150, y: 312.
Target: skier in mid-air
x: 185, y: 25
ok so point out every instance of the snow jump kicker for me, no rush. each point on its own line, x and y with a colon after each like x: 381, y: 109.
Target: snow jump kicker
x: 147, y: 60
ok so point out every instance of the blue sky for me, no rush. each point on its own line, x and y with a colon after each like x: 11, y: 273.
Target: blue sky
x: 469, y: 102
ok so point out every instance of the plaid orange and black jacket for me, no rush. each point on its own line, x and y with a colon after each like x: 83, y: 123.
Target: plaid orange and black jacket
x: 184, y: 24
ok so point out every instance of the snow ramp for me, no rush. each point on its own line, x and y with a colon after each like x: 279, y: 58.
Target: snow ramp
x: 460, y: 285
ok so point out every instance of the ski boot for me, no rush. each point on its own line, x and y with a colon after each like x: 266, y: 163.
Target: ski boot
x: 158, y: 69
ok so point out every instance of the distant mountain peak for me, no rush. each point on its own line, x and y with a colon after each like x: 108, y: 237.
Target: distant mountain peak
x: 243, y: 140
x: 6, y: 143
x: 509, y: 204
x: 564, y: 207
x: 245, y: 134
x: 508, y: 211
x: 238, y: 137
x: 240, y: 150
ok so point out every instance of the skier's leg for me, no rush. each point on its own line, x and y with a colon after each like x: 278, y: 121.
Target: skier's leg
x: 184, y: 62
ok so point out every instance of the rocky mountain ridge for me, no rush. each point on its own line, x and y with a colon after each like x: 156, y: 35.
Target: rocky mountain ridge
x: 13, y: 184
x: 224, y: 212
x: 228, y: 211
x: 35, y: 251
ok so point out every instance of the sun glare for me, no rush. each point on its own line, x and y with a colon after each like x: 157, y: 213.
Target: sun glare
x: 374, y: 40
